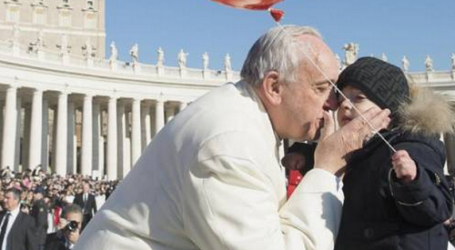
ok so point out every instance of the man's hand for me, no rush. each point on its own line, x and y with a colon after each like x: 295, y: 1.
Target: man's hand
x: 334, y: 147
x: 73, y: 236
x: 404, y: 167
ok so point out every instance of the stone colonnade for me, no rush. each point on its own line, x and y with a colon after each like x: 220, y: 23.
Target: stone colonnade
x: 78, y: 132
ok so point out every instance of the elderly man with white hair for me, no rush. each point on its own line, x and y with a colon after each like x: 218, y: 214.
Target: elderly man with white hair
x: 212, y: 180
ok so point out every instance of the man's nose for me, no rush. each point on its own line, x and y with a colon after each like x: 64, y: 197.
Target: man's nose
x: 331, y: 103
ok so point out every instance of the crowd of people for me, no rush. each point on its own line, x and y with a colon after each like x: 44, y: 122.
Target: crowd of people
x: 47, y: 211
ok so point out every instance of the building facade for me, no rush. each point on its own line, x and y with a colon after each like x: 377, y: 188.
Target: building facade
x: 55, y: 25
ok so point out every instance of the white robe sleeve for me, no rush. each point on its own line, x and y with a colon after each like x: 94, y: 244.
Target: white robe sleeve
x: 230, y: 203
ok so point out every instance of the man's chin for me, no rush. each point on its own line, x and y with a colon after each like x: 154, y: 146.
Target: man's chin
x: 310, y: 136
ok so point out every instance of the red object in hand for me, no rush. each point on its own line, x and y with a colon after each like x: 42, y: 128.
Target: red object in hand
x: 249, y: 4
x: 293, y: 181
x: 276, y: 14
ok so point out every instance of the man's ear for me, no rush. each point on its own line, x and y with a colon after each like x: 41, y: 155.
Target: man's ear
x: 272, y: 88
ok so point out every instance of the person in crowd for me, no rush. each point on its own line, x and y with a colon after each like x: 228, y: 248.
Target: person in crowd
x: 6, y: 172
x: 69, y: 232
x: 39, y: 212
x: 110, y: 189
x: 86, y: 200
x: 26, y: 181
x: 17, y: 229
x: 211, y: 178
x: 393, y: 200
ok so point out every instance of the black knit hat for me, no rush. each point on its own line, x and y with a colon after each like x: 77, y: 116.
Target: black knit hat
x: 383, y: 83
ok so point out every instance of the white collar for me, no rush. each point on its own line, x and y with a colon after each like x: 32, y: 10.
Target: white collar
x: 15, y: 212
x: 255, y: 97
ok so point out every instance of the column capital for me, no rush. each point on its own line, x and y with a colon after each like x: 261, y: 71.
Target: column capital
x: 160, y: 100
x: 36, y: 89
x: 13, y: 86
x: 64, y: 92
x: 88, y: 96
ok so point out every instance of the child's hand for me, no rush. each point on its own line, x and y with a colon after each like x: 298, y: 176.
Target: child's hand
x: 405, y: 168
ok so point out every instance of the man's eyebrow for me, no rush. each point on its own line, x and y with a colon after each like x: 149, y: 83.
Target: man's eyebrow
x: 324, y: 82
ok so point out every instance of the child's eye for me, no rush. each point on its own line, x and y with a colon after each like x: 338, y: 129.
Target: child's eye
x: 361, y: 97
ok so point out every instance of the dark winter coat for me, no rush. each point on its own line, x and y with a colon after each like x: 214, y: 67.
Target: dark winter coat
x: 379, y: 211
x: 39, y: 213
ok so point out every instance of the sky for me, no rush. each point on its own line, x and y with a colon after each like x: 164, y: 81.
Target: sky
x: 415, y: 28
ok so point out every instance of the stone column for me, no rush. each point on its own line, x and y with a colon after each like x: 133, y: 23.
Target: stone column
x: 136, y: 131
x: 9, y: 128
x: 101, y: 150
x: 146, y: 126
x: 121, y: 149
x: 45, y: 136
x: 87, y: 127
x: 53, y: 138
x: 96, y: 119
x: 17, y: 151
x: 170, y: 113
x: 26, y: 136
x: 2, y: 119
x: 71, y: 145
x: 159, y: 116
x: 112, y: 140
x: 62, y: 135
x: 36, y: 129
x: 182, y: 106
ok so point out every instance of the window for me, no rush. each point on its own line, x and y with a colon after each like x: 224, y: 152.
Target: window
x: 12, y: 13
x: 39, y: 16
x: 65, y: 18
x: 90, y: 20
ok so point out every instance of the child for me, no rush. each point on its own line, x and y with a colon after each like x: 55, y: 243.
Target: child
x: 394, y: 200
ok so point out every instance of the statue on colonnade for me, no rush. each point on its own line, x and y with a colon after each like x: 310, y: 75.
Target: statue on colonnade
x: 182, y: 58
x: 205, y: 60
x: 114, y: 52
x: 134, y: 53
x: 351, y: 52
x: 405, y: 63
x: 227, y: 63
x: 429, y: 64
x: 384, y: 57
x: 160, y: 61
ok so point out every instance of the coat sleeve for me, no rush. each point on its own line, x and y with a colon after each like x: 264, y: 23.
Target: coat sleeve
x: 31, y: 236
x: 95, y: 207
x: 230, y: 202
x: 425, y: 201
x: 41, y: 217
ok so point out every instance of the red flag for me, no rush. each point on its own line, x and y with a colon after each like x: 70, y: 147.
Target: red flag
x: 249, y: 4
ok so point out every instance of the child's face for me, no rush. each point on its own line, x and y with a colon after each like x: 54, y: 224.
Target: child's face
x: 345, y: 111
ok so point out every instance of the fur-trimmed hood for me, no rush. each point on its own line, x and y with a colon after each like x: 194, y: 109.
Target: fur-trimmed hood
x: 427, y: 113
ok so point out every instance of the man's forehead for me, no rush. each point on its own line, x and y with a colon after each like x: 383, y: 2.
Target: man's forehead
x: 74, y: 216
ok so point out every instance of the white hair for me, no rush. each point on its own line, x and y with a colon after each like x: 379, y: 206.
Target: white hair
x: 277, y: 50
